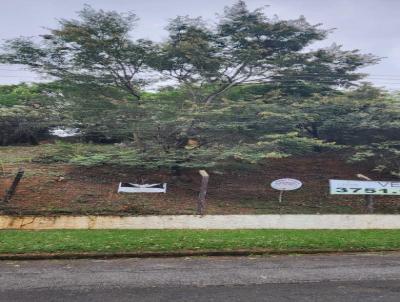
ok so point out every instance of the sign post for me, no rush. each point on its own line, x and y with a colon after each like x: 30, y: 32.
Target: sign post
x: 285, y: 184
x: 369, y: 199
x: 280, y: 196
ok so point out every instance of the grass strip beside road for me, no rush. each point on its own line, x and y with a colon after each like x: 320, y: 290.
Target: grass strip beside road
x: 119, y: 241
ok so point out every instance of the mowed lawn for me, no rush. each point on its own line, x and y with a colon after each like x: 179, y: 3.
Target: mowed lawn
x: 112, y: 241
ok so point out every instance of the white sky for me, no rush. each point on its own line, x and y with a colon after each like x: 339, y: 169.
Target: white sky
x: 369, y: 25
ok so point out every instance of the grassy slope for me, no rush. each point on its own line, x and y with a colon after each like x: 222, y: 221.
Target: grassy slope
x: 175, y: 240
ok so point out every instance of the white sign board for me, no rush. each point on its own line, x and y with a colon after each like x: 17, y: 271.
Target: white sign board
x: 286, y: 184
x: 359, y: 187
x: 146, y: 188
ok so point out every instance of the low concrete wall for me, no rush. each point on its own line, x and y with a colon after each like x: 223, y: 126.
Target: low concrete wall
x: 203, y: 222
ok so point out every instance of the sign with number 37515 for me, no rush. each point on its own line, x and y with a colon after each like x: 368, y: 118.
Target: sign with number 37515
x: 356, y: 187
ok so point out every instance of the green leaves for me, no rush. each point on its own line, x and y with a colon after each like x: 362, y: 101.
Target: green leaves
x: 384, y: 155
x: 95, y: 50
x: 245, y: 46
x: 246, y: 89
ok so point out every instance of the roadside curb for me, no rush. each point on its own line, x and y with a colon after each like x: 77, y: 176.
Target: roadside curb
x: 215, y: 253
x: 206, y: 222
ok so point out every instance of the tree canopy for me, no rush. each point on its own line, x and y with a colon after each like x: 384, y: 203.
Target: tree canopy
x: 243, y: 47
x: 247, y: 88
x: 95, y: 49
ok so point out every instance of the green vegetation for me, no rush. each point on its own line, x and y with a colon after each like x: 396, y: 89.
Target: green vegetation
x: 246, y: 89
x: 11, y: 95
x: 109, y: 241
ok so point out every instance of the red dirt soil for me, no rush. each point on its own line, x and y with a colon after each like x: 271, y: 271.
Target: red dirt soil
x: 64, y: 189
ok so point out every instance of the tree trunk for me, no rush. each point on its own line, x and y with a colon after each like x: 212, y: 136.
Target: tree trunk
x: 137, y: 140
x: 314, y: 131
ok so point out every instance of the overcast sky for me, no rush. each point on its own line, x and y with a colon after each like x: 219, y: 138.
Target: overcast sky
x: 370, y: 25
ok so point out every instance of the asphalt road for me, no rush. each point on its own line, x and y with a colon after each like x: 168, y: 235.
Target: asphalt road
x: 351, y: 277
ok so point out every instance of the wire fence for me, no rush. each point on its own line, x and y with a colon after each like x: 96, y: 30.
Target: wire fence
x: 66, y: 189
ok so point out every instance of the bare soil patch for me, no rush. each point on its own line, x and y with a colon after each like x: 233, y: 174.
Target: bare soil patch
x: 64, y: 189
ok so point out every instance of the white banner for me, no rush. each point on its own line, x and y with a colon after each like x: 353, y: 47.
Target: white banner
x: 358, y: 187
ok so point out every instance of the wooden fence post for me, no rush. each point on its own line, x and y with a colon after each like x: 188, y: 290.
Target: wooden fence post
x: 369, y: 199
x: 201, y: 203
x: 10, y: 192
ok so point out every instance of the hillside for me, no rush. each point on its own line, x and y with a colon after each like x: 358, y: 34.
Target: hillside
x: 65, y: 189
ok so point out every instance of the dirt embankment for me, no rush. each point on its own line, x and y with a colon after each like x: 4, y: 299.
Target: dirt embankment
x: 64, y: 189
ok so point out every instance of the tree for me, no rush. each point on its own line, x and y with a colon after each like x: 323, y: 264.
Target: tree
x: 352, y: 117
x: 248, y: 89
x: 27, y: 112
x: 248, y: 47
x: 95, y: 50
x: 377, y: 136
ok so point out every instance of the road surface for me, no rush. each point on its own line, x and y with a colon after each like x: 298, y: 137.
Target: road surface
x: 349, y: 277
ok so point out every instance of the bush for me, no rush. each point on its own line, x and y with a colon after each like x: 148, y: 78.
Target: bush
x: 21, y: 124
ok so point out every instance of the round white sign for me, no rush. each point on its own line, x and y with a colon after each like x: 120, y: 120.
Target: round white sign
x: 286, y: 184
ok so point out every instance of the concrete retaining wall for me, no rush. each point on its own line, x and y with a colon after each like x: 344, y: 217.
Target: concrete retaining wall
x: 203, y: 222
